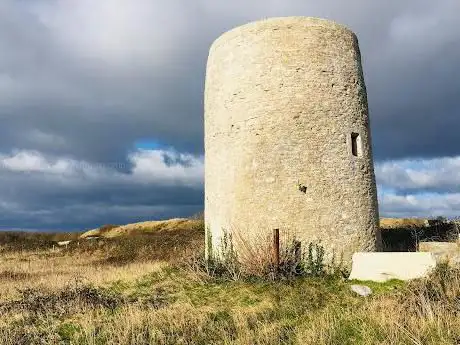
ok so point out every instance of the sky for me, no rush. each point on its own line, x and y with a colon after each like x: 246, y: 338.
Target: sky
x: 101, y: 104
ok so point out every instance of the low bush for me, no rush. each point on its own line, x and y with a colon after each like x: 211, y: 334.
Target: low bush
x: 242, y: 259
x: 170, y: 246
x: 17, y: 241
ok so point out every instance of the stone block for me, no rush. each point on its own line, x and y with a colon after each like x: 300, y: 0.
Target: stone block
x: 384, y: 266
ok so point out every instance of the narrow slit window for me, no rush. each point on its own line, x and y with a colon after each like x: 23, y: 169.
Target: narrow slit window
x: 356, y: 144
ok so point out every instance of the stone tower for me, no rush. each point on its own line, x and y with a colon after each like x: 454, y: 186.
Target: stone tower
x: 287, y: 139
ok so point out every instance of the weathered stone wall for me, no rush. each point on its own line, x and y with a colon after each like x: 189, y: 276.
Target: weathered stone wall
x: 283, y: 98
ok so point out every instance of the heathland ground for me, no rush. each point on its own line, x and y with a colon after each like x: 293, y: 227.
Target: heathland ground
x: 149, y: 286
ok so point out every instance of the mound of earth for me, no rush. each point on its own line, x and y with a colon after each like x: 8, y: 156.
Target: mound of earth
x: 109, y: 231
x: 389, y: 223
x: 144, y: 227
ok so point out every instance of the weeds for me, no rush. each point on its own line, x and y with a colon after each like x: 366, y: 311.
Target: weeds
x: 238, y: 258
x: 313, y: 265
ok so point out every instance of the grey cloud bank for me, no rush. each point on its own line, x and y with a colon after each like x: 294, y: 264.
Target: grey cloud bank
x: 81, y: 81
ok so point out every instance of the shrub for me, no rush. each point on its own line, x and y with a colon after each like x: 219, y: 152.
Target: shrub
x: 106, y: 228
x: 239, y: 258
x: 170, y: 245
x: 17, y: 241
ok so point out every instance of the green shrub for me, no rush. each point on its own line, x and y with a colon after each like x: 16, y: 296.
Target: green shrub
x: 228, y: 264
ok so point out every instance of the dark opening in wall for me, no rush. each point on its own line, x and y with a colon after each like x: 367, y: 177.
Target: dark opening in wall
x: 302, y: 188
x: 355, y: 144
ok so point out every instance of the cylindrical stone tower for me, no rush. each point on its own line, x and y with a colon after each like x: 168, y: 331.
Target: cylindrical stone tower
x: 287, y: 139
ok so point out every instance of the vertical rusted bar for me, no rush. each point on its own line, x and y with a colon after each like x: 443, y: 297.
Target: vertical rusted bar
x: 276, y: 248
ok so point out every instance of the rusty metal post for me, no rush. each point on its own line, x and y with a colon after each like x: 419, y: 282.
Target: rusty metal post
x: 276, y: 248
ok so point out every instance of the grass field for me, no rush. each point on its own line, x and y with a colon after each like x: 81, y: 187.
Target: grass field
x: 145, y: 289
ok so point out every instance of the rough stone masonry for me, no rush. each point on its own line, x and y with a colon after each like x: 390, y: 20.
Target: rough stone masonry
x: 287, y: 139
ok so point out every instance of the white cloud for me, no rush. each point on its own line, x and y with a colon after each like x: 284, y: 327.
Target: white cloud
x: 156, y: 167
x: 435, y: 174
x: 150, y: 166
x: 116, y: 31
x: 34, y: 162
x: 425, y: 205
x: 419, y: 187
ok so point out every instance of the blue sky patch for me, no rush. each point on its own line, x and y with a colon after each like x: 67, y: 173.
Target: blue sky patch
x: 148, y: 144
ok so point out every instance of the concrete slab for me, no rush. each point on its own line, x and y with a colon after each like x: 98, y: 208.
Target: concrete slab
x: 384, y: 266
x: 443, y: 251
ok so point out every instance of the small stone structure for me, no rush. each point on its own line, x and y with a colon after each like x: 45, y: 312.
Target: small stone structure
x: 287, y: 139
x: 381, y: 267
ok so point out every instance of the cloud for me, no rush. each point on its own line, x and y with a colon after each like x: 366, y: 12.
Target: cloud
x: 116, y: 32
x: 437, y: 174
x: 419, y: 187
x: 151, y: 166
x: 82, y: 81
x: 93, y: 67
x: 424, y: 205
x: 158, y: 167
x: 42, y: 191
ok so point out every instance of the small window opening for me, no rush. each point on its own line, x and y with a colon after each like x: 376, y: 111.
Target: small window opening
x: 303, y: 188
x: 355, y: 144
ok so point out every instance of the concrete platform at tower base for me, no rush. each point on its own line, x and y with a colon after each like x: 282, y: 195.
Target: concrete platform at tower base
x: 384, y: 266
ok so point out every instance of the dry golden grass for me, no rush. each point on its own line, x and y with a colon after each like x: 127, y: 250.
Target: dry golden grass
x: 53, y: 270
x: 402, y: 222
x: 149, y: 226
x: 79, y: 296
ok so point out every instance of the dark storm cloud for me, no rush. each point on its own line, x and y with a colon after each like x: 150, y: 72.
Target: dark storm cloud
x: 100, y: 103
x: 78, y: 84
x: 82, y: 81
x: 80, y: 217
x: 47, y: 192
